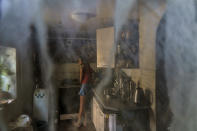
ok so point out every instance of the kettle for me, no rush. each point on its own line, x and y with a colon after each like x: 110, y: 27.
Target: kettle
x: 139, y: 95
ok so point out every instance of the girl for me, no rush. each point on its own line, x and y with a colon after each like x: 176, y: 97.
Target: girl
x: 85, y: 79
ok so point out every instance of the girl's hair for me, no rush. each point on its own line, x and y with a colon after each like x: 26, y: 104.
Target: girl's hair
x: 85, y: 63
x: 83, y: 60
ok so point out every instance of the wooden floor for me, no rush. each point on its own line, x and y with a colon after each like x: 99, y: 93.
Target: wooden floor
x: 68, y: 125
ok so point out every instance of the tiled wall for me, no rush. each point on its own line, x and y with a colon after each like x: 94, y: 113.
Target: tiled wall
x: 133, y: 73
x: 68, y: 71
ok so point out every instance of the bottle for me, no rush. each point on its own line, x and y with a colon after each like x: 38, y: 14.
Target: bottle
x: 118, y: 48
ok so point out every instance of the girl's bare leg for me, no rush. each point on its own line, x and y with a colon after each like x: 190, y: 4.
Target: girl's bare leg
x: 81, y: 108
x: 81, y: 111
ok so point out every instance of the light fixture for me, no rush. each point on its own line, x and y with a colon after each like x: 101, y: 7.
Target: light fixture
x: 82, y: 16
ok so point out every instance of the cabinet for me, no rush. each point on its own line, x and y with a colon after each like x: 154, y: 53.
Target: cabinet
x: 105, y: 47
x: 102, y: 121
x: 98, y: 117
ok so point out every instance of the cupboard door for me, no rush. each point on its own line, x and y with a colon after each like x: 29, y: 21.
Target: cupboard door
x: 98, y: 117
x: 105, y: 47
x: 101, y: 121
x: 94, y: 113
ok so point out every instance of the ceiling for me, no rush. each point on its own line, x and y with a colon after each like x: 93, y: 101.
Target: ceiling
x: 59, y: 13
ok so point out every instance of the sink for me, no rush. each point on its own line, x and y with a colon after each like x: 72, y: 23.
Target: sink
x: 5, y: 98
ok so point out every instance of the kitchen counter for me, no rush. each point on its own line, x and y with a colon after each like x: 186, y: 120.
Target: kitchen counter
x: 115, y: 105
x: 114, y: 114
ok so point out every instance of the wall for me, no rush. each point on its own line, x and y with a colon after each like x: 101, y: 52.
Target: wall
x: 150, y: 13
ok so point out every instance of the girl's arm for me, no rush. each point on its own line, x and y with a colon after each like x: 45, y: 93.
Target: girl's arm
x: 81, y: 73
